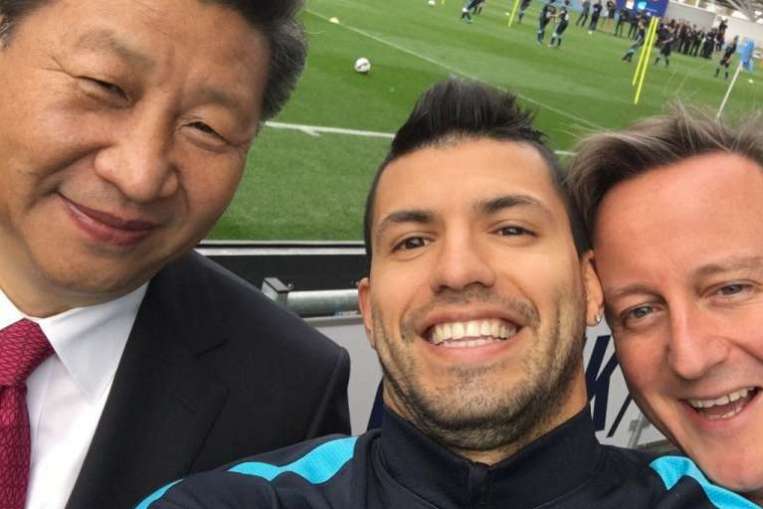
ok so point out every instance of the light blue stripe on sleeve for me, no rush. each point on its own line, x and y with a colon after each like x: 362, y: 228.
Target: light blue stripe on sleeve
x: 316, y: 467
x: 155, y: 496
x: 672, y: 468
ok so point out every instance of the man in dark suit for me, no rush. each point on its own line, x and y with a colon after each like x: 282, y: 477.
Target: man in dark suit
x: 125, y: 360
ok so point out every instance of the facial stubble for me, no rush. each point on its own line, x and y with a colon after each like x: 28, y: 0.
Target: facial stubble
x: 469, y: 415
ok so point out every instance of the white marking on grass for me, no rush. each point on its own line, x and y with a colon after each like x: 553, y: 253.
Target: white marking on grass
x: 315, y: 130
x: 455, y: 70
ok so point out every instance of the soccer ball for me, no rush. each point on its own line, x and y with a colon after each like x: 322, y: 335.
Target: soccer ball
x: 362, y: 65
x: 432, y: 3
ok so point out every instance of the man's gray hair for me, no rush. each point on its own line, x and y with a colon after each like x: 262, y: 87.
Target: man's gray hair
x: 275, y: 19
x: 605, y: 159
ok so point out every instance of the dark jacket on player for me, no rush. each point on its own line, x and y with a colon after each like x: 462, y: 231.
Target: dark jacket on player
x: 564, y: 19
x: 597, y: 7
x: 546, y: 13
x: 731, y: 48
x: 398, y: 467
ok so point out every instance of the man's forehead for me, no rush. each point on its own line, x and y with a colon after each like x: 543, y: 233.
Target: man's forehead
x: 704, y: 169
x: 466, y: 173
x: 717, y: 176
x: 697, y: 217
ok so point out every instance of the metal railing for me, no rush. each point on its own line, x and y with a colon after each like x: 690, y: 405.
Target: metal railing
x: 311, y: 303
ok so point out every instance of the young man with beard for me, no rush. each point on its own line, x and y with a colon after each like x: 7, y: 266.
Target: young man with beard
x: 477, y: 300
x: 673, y: 205
x: 125, y: 359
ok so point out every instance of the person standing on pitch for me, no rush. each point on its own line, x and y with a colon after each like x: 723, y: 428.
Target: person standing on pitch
x: 609, y: 16
x: 666, y: 40
x: 584, y: 11
x: 547, y: 13
x: 127, y: 360
x: 622, y: 17
x: 563, y: 19
x: 725, y: 61
x: 640, y: 36
x: 595, y: 15
x: 635, y: 18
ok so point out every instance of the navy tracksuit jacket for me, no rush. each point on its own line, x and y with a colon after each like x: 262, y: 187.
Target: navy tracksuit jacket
x: 397, y: 467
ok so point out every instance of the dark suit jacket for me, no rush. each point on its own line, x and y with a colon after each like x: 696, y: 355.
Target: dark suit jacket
x: 212, y: 371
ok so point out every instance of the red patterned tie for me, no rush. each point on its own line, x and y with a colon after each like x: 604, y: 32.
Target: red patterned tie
x: 23, y: 346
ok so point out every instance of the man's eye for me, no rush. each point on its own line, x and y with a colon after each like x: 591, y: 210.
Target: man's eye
x: 410, y: 243
x: 204, y: 128
x: 733, y: 289
x: 107, y: 87
x: 634, y: 316
x: 639, y: 312
x: 509, y: 231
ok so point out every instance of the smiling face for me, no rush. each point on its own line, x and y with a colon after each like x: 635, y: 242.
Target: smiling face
x: 679, y: 251
x: 476, y: 302
x: 124, y: 136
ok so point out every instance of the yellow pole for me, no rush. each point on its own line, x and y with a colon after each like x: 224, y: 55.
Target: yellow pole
x: 513, y: 12
x: 641, y: 53
x: 648, y: 52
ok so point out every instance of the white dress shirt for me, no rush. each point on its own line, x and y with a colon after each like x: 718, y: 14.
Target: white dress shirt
x: 67, y: 392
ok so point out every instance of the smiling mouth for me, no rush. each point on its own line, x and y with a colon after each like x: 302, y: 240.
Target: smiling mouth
x: 106, y: 228
x: 471, y: 334
x: 725, y: 407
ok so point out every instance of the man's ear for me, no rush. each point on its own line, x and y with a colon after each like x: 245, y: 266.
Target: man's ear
x: 593, y: 290
x: 364, y: 303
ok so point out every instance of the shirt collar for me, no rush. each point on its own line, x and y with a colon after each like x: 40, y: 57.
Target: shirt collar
x: 88, y: 341
x: 551, y: 466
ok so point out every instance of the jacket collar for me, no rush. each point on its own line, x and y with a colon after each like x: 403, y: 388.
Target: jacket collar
x: 548, y: 468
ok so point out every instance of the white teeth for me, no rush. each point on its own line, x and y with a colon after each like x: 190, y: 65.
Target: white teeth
x: 447, y: 332
x: 734, y: 396
x: 437, y: 334
x: 730, y: 413
x: 723, y: 400
x: 470, y: 343
x: 472, y: 332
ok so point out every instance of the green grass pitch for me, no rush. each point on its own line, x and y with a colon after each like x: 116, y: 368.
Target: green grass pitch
x: 308, y: 184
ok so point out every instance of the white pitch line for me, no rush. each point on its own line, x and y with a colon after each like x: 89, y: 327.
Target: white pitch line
x: 455, y: 70
x: 315, y: 130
